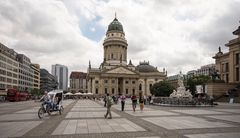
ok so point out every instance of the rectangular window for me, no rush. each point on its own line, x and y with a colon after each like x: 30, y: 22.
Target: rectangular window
x: 222, y: 68
x: 113, y: 81
x: 96, y: 81
x: 105, y: 81
x: 133, y: 90
x: 113, y: 90
x: 96, y: 91
x: 237, y: 58
x: 133, y: 82
x: 237, y: 74
x: 126, y: 82
x: 226, y: 67
x: 227, y: 78
x: 106, y: 91
x: 126, y: 91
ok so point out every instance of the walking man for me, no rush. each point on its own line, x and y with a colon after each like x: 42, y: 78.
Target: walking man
x: 109, y: 103
x: 122, y: 98
x: 134, y: 101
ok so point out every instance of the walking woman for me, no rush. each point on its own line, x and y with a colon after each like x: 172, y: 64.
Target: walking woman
x: 141, y: 101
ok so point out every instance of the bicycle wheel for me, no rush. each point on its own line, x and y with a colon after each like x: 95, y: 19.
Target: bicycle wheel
x: 41, y: 113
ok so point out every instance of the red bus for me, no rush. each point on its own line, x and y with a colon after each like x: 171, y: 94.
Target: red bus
x: 14, y: 95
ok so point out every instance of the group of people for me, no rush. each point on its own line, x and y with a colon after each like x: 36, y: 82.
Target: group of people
x: 109, y: 101
x: 50, y: 101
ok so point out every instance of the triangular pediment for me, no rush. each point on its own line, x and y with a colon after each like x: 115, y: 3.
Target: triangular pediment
x: 120, y: 70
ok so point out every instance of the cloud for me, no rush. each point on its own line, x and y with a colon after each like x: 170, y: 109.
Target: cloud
x: 176, y: 35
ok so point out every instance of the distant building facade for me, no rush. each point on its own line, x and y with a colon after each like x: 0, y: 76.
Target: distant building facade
x: 78, y: 82
x: 191, y: 73
x: 8, y: 68
x: 206, y: 70
x: 48, y: 82
x: 25, y: 82
x: 16, y: 71
x: 228, y: 63
x: 36, y: 76
x: 116, y: 76
x: 173, y: 80
x: 61, y: 73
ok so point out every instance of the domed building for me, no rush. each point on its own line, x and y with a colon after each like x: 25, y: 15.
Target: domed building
x: 115, y: 75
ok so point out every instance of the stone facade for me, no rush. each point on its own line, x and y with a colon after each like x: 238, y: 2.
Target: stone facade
x: 114, y: 75
x: 228, y: 64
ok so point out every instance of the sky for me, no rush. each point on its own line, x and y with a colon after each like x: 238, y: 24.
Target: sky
x: 178, y: 35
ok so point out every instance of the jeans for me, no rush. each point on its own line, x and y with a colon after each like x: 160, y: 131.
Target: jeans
x: 122, y: 103
x: 108, y: 112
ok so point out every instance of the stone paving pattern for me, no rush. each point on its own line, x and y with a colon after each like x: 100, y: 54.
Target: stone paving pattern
x: 84, y: 118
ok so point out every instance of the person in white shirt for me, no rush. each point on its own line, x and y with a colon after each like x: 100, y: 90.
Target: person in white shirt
x: 122, y: 98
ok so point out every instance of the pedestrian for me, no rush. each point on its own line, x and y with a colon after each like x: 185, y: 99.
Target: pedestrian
x: 134, y: 101
x: 105, y: 100
x: 150, y: 99
x: 122, y: 98
x: 109, y: 103
x: 141, y: 101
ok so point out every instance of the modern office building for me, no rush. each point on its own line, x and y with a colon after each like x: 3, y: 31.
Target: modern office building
x: 26, y: 73
x: 8, y: 68
x: 61, y: 73
x: 48, y: 82
x: 78, y: 82
x: 206, y: 70
x: 36, y: 76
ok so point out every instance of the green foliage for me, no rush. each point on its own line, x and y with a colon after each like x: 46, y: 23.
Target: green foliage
x: 35, y: 92
x: 162, y: 88
x: 196, y: 80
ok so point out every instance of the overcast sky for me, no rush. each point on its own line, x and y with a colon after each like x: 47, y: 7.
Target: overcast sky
x: 172, y: 34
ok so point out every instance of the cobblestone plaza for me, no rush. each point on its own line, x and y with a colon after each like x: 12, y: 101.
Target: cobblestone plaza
x: 85, y: 118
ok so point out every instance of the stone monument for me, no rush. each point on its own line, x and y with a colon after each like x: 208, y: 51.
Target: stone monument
x: 181, y: 90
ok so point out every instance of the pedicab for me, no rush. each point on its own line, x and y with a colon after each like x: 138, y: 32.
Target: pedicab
x: 55, y: 105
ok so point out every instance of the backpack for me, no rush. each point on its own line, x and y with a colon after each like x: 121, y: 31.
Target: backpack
x: 110, y: 100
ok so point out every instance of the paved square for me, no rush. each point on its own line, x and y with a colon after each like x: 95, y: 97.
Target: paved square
x: 129, y: 108
x: 229, y: 110
x: 185, y: 122
x: 198, y: 112
x: 81, y: 109
x: 25, y: 116
x: 89, y: 114
x: 232, y: 118
x: 150, y: 113
x: 16, y: 129
x: 96, y: 126
x: 215, y: 135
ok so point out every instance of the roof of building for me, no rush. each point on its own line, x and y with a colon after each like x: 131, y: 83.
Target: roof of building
x: 115, y: 25
x: 145, y: 67
x: 78, y: 75
x: 237, y: 32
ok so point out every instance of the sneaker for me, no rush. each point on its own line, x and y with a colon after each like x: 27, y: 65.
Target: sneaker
x: 109, y: 117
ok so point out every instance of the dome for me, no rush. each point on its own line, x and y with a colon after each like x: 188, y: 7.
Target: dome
x: 115, y: 25
x: 145, y: 67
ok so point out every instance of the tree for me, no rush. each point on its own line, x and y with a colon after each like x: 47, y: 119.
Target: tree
x: 196, y: 80
x: 162, y: 88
